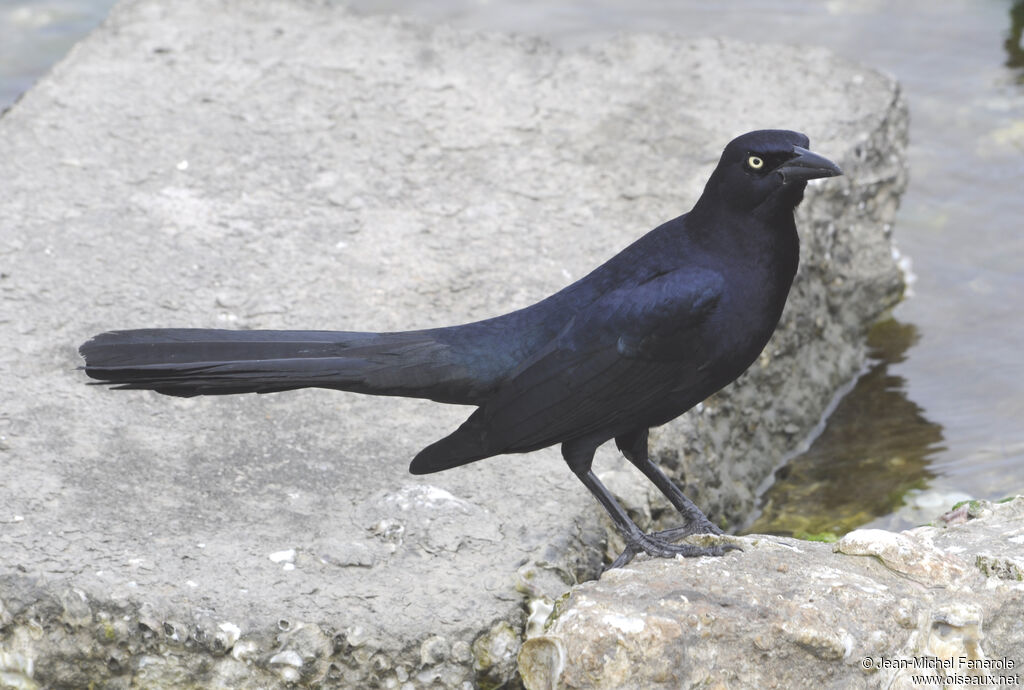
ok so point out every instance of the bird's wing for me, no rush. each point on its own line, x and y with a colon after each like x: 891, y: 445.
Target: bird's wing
x: 621, y: 354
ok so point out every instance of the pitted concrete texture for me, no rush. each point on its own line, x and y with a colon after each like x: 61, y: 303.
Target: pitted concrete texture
x: 283, y: 164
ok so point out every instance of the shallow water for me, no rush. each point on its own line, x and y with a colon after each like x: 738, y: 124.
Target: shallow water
x: 938, y: 415
x: 36, y: 33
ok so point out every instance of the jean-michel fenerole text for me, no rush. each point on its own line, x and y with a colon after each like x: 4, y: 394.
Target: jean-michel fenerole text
x: 961, y: 663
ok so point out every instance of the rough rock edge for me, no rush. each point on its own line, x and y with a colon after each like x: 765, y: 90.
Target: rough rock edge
x: 101, y: 639
x: 947, y: 590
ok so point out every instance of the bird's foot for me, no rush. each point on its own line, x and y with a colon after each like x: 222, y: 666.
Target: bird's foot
x: 659, y: 545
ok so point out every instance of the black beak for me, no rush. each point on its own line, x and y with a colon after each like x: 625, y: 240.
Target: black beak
x: 807, y: 165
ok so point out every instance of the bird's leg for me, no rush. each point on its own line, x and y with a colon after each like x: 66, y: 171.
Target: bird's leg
x: 579, y: 457
x: 636, y: 540
x: 634, y: 447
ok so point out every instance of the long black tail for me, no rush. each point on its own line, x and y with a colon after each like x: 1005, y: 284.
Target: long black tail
x: 190, y: 361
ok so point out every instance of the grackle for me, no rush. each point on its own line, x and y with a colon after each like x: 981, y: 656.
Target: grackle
x: 671, y: 319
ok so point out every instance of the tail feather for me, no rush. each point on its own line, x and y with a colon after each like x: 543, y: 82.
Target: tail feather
x: 187, y: 362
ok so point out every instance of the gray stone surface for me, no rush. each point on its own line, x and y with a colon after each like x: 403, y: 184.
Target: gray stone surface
x: 873, y: 611
x: 272, y: 164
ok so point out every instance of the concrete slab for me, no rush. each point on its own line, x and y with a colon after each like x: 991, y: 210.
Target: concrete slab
x: 276, y: 164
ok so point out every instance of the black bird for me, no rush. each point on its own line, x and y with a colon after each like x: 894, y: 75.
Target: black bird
x: 671, y: 319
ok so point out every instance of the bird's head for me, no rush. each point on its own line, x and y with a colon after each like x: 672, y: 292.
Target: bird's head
x: 768, y: 165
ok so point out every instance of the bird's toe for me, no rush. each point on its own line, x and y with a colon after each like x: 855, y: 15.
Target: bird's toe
x: 659, y: 546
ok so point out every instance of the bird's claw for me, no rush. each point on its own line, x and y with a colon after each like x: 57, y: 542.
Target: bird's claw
x: 659, y: 545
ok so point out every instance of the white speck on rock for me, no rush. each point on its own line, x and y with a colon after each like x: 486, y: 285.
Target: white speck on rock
x: 229, y: 634
x: 286, y: 556
x: 244, y: 650
x: 628, y: 624
x: 288, y: 657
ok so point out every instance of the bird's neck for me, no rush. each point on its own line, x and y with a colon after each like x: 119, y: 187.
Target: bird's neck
x: 766, y: 235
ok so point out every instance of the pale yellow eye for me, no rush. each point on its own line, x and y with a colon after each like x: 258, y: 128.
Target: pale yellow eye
x: 755, y: 162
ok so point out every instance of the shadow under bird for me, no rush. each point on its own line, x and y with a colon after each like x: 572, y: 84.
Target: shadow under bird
x: 672, y: 318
